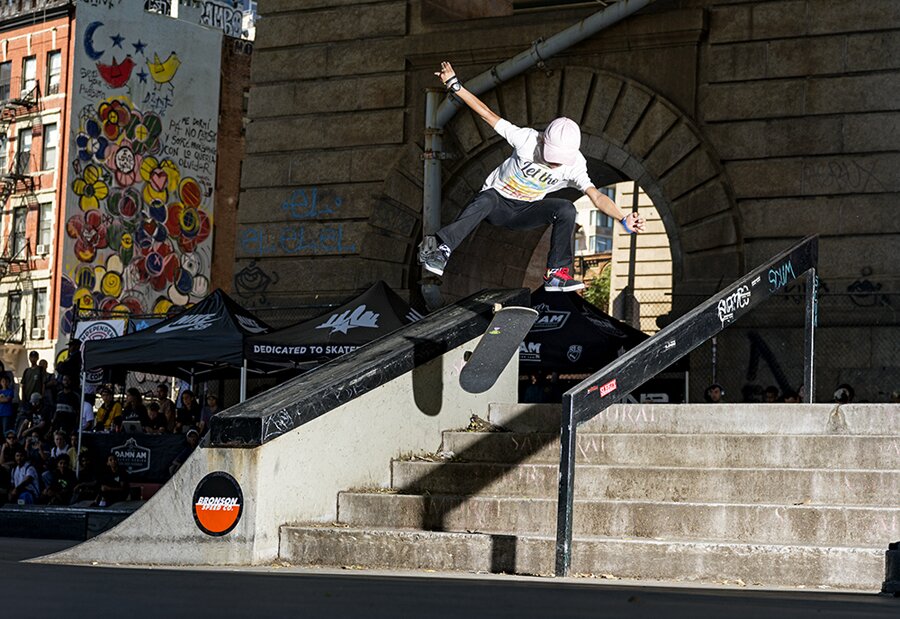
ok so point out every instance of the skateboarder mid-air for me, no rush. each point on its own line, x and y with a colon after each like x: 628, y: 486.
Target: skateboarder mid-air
x: 513, y: 194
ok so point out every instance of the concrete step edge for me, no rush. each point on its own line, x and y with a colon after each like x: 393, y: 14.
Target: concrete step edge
x: 642, y: 467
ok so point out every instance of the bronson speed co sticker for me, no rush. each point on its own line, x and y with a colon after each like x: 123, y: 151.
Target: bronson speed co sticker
x: 218, y: 503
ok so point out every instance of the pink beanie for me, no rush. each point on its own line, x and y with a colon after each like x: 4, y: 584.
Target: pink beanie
x: 562, y: 139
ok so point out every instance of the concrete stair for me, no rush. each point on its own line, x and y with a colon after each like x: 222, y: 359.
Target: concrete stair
x: 795, y: 495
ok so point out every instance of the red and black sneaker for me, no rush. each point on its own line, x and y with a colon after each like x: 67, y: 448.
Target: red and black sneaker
x: 559, y: 280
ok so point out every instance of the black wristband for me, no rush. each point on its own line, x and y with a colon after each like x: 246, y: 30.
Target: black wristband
x: 453, y: 84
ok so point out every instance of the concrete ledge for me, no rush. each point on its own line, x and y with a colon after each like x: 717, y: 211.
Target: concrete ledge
x: 790, y: 566
x: 845, y: 526
x: 855, y: 419
x: 701, y: 484
x: 304, y: 398
x: 690, y: 450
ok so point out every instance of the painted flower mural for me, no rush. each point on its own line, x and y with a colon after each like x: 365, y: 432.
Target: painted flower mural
x: 143, y: 231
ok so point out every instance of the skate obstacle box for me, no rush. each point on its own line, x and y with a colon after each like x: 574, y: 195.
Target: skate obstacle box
x: 283, y: 456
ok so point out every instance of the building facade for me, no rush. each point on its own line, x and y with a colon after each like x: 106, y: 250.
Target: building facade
x: 748, y: 125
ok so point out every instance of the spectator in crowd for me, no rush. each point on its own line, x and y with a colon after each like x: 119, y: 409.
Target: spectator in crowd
x: 71, y: 365
x: 771, y: 394
x: 59, y: 482
x: 108, y: 411
x: 114, y: 482
x: 37, y: 452
x: 193, y: 439
x: 155, y: 423
x: 8, y: 453
x: 189, y: 414
x: 87, y: 484
x: 68, y: 405
x: 171, y: 420
x: 844, y: 394
x: 31, y: 417
x: 7, y: 415
x: 12, y: 384
x: 134, y: 409
x: 24, y: 488
x: 715, y: 394
x: 533, y: 393
x: 34, y: 377
x: 87, y: 411
x: 162, y: 397
x: 791, y: 397
x: 60, y: 446
x: 207, y: 412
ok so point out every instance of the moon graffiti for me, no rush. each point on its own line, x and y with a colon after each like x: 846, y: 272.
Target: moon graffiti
x: 89, y: 49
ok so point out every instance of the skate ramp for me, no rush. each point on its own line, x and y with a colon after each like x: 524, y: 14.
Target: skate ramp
x: 291, y: 449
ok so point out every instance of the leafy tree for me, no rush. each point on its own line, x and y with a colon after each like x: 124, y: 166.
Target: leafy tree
x: 598, y: 292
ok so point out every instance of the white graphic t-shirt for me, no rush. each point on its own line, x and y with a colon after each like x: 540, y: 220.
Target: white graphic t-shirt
x: 524, y: 175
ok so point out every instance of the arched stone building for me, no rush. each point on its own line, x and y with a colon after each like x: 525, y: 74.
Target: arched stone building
x: 749, y: 125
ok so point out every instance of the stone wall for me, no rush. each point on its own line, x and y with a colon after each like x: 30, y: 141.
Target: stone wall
x: 749, y: 123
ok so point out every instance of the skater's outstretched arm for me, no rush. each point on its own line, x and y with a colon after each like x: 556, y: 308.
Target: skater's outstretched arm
x: 448, y: 76
x: 633, y: 222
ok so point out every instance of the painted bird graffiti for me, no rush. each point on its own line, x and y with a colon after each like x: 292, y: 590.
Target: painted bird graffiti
x: 116, y: 74
x: 162, y: 72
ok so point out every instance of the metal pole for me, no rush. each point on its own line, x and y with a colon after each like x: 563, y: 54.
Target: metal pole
x: 244, y: 381
x: 630, y: 299
x: 809, y: 348
x: 80, y: 422
x: 567, y: 437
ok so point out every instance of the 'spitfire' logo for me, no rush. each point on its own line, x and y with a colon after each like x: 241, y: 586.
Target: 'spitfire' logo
x: 218, y: 503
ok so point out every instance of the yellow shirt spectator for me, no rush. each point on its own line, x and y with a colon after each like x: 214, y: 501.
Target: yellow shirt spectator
x: 106, y: 414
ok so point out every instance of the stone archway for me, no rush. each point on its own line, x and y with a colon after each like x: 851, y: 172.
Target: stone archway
x: 628, y: 127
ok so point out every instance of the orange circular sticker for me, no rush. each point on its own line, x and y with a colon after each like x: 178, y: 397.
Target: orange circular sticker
x: 218, y: 503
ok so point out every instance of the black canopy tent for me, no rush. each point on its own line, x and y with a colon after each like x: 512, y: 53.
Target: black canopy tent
x: 571, y: 335
x: 363, y: 319
x: 201, y: 342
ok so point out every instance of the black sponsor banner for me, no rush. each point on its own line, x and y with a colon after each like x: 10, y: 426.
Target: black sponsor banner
x: 146, y: 457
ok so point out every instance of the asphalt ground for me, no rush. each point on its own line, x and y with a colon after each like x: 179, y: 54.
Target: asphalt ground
x: 40, y: 590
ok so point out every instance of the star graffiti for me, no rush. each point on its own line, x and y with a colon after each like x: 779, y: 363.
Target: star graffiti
x: 139, y: 47
x: 142, y: 75
x: 117, y: 40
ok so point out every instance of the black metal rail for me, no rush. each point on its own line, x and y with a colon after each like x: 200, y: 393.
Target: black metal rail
x: 631, y: 370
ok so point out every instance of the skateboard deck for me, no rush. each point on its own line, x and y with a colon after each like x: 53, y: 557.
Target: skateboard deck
x: 500, y: 342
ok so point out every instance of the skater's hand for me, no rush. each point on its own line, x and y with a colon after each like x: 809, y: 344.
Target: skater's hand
x: 445, y: 73
x: 633, y: 222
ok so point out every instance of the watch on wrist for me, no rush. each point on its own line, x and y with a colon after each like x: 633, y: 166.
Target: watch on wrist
x: 455, y: 86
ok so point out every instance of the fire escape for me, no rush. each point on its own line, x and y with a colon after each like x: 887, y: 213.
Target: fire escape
x: 17, y: 181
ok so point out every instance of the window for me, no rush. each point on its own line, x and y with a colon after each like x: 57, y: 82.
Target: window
x: 45, y: 224
x: 29, y: 74
x: 54, y: 71
x: 18, y: 239
x: 39, y: 315
x: 601, y: 244
x: 5, y: 75
x: 23, y: 152
x: 14, y: 316
x: 3, y: 146
x: 51, y: 146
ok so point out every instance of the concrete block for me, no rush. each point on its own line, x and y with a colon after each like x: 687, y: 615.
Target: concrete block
x: 731, y: 63
x: 851, y: 174
x: 689, y: 173
x: 682, y: 450
x: 766, y: 177
x: 729, y: 23
x: 363, y: 57
x: 675, y: 145
x: 805, y: 56
x: 834, y: 16
x: 322, y: 202
x: 809, y: 215
x: 852, y: 93
x: 711, y: 268
x: 267, y: 100
x: 632, y: 102
x: 577, y: 87
x: 870, y: 132
x: 748, y: 100
x: 369, y: 164
x: 710, y: 233
x: 299, y: 238
x: 543, y: 95
x: 315, y: 167
x: 706, y: 200
x: 465, y: 129
x: 514, y: 101
x: 335, y: 24
x: 392, y: 218
x: 605, y: 94
x: 326, y: 131
x: 266, y: 171
x: 873, y: 51
x: 384, y: 247
x: 655, y: 123
x: 285, y: 64
x: 351, y: 94
x: 403, y: 190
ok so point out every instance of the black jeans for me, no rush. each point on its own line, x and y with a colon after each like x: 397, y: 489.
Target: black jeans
x: 518, y: 215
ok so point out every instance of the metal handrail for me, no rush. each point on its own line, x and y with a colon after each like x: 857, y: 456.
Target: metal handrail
x: 611, y: 384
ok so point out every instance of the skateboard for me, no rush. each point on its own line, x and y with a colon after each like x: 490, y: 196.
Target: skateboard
x: 500, y: 342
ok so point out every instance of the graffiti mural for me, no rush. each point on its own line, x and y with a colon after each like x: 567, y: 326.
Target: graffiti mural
x: 139, y: 217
